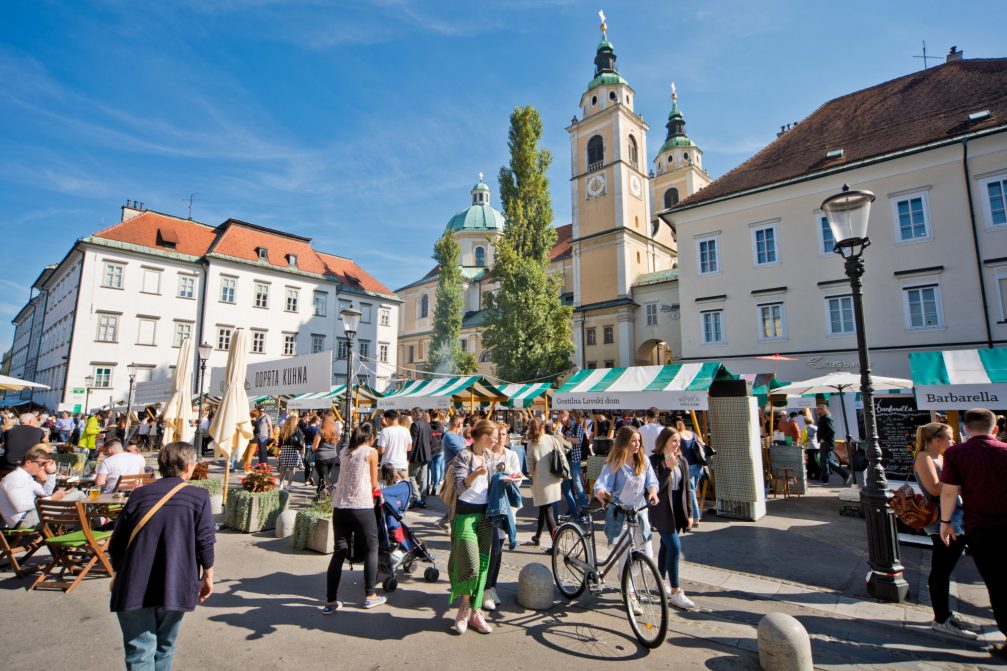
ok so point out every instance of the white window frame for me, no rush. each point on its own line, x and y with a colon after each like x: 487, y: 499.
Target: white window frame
x: 102, y: 380
x: 292, y: 294
x: 759, y: 321
x: 317, y: 343
x: 927, y: 222
x: 148, y: 272
x: 756, y: 228
x: 289, y: 344
x: 699, y: 254
x: 988, y: 205
x: 321, y: 298
x: 385, y: 317
x: 829, y: 331
x: 364, y: 348
x: 823, y: 250
x: 114, y: 319
x: 258, y: 342
x: 343, y: 348
x: 651, y: 310
x: 938, y: 305
x: 607, y: 334
x: 221, y: 337
x: 1000, y: 275
x: 111, y: 280
x: 383, y: 352
x: 591, y: 336
x: 181, y: 331
x: 140, y: 323
x: 719, y: 313
x: 260, y: 295
x: 186, y: 287
x: 228, y: 284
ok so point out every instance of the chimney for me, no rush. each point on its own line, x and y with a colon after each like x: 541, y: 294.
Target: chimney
x: 954, y: 55
x: 131, y: 209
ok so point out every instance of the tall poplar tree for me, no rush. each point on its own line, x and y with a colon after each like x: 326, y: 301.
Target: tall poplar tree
x: 446, y: 355
x: 528, y: 328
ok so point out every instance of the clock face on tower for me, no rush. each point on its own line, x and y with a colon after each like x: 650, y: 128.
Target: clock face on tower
x: 635, y: 187
x: 596, y: 185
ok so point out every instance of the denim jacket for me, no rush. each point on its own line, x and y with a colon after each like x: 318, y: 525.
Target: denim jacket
x: 502, y: 500
x: 612, y: 481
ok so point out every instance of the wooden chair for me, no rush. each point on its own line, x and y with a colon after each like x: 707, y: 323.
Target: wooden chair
x: 781, y: 483
x: 15, y: 541
x: 74, y: 547
x: 127, y: 483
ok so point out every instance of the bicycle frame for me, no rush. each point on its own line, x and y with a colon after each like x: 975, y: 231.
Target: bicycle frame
x: 623, y: 544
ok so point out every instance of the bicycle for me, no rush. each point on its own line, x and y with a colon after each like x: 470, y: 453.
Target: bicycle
x: 575, y: 566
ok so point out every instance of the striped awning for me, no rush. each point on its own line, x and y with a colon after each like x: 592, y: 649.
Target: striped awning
x: 438, y: 393
x: 320, y: 400
x: 524, y: 395
x: 960, y: 379
x: 682, y: 386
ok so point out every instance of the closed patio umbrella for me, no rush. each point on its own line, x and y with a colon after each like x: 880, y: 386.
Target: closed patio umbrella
x: 232, y: 425
x: 178, y: 409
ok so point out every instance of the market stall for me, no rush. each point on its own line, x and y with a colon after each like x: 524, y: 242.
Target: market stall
x: 527, y: 395
x: 681, y: 386
x: 441, y: 392
x: 957, y: 380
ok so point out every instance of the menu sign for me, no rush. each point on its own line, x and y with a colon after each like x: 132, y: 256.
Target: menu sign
x: 897, y: 419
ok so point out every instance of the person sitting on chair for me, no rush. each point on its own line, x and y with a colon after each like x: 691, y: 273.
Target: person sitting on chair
x: 34, y: 479
x: 117, y: 463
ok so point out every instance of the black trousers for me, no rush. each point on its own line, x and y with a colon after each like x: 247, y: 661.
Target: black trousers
x: 943, y: 560
x: 346, y: 523
x: 325, y: 467
x: 989, y: 550
x: 496, y: 557
x: 545, y: 519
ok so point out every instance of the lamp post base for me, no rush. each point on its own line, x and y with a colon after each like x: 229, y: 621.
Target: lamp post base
x: 886, y: 581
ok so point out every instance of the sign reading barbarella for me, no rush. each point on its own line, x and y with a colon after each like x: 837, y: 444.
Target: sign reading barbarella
x: 286, y: 376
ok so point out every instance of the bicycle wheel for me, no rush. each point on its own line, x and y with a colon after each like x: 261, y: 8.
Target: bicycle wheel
x: 644, y: 599
x: 569, y: 555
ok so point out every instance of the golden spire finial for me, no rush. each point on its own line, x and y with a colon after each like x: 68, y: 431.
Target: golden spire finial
x: 480, y: 176
x: 674, y: 93
x: 604, y: 26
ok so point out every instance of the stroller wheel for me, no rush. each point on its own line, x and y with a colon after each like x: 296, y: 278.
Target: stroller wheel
x: 390, y: 585
x: 431, y: 574
x: 409, y: 567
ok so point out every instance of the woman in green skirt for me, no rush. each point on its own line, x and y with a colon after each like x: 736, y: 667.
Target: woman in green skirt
x: 471, y: 531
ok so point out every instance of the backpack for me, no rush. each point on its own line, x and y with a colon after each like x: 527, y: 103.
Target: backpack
x: 558, y: 465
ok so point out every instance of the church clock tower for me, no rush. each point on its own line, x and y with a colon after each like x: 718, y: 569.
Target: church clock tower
x: 613, y: 240
x: 678, y: 166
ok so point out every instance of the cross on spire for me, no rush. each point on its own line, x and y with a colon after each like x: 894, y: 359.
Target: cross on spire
x: 674, y: 92
x: 480, y: 176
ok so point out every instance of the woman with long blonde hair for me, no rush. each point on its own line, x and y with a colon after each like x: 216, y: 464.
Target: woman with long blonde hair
x: 291, y: 449
x: 629, y: 478
x: 931, y: 441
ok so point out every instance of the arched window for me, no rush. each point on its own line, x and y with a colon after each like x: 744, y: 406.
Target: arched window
x: 424, y: 306
x: 670, y: 198
x: 480, y: 257
x: 634, y: 151
x: 595, y: 151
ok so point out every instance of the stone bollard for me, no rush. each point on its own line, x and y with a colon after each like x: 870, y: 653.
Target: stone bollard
x: 783, y: 644
x: 535, y: 587
x: 285, y: 523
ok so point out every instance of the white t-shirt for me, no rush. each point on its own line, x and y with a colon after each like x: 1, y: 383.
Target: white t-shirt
x: 124, y: 463
x: 395, y: 442
x: 649, y: 434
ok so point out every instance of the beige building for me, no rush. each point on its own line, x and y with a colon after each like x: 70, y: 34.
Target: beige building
x: 757, y: 270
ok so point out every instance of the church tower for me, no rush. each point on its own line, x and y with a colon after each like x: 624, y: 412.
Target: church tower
x: 613, y: 239
x: 679, y: 163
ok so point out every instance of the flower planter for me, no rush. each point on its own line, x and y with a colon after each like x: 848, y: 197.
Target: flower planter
x: 313, y: 531
x: 249, y: 512
x: 323, y: 538
x: 215, y: 487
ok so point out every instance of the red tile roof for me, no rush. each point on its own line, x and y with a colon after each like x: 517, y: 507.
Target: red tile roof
x: 911, y: 111
x: 192, y: 237
x: 562, y: 249
x: 351, y: 274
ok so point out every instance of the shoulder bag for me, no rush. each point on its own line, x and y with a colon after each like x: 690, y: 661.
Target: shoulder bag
x: 146, y: 518
x: 558, y: 464
x: 913, y: 509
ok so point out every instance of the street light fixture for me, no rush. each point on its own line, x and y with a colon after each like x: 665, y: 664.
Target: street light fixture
x: 132, y: 370
x: 848, y: 213
x: 351, y: 320
x: 88, y: 383
x: 204, y: 350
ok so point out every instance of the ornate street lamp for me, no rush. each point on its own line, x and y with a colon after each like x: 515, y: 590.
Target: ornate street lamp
x: 88, y: 383
x: 351, y: 320
x: 131, y: 369
x: 204, y: 351
x: 847, y: 213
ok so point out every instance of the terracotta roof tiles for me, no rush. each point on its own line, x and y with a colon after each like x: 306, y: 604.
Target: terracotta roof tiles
x: 145, y: 229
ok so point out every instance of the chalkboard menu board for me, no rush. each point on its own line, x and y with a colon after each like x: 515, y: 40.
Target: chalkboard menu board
x: 897, y: 419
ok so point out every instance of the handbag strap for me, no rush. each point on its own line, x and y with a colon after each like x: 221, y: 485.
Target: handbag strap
x: 150, y: 513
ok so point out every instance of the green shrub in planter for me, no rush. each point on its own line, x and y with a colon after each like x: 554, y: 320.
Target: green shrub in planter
x: 304, y: 523
x: 213, y: 486
x: 254, y: 511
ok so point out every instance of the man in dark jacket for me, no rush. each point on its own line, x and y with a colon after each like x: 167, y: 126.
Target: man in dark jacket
x: 827, y: 442
x: 168, y: 566
x: 419, y: 456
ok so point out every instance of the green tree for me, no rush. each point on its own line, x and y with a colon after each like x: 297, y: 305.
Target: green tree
x: 528, y: 328
x: 446, y: 355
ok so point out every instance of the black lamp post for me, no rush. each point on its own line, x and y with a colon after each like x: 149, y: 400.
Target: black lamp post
x: 351, y: 320
x: 847, y: 213
x: 204, y: 351
x: 88, y: 383
x: 131, y: 369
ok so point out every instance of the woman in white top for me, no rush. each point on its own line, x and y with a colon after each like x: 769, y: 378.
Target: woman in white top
x: 353, y: 514
x: 499, y: 459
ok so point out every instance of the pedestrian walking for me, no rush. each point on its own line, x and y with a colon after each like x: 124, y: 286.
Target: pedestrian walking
x: 573, y: 489
x: 674, y: 512
x: 291, y: 450
x: 500, y: 459
x: 650, y: 431
x: 546, y: 486
x: 453, y: 443
x: 326, y: 449
x: 976, y: 470
x: 354, y: 517
x: 692, y: 449
x: 419, y: 456
x: 435, y: 468
x: 932, y: 441
x: 162, y: 553
x: 471, y: 531
x: 263, y: 427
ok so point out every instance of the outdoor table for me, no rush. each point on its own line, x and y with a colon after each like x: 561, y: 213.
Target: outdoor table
x: 71, y: 481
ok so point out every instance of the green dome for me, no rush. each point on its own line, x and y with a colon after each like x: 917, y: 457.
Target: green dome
x: 480, y: 187
x: 477, y: 218
x: 606, y: 78
x: 678, y: 142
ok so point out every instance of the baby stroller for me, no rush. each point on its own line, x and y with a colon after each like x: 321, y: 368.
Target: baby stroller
x: 398, y: 548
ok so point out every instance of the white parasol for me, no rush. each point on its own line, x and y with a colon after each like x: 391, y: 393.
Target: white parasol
x: 178, y: 409
x: 232, y: 425
x: 14, y: 384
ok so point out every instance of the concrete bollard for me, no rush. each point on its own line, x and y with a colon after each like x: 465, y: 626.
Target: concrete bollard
x: 783, y: 644
x: 285, y: 523
x: 535, y: 587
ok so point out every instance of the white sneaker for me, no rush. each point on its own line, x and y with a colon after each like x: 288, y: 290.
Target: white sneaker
x: 634, y: 605
x: 952, y: 628
x: 965, y: 623
x: 490, y: 599
x: 680, y: 600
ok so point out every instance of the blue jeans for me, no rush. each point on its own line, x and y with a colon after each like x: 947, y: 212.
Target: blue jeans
x: 695, y: 473
x: 667, y: 561
x: 573, y: 489
x: 149, y: 636
x: 435, y: 471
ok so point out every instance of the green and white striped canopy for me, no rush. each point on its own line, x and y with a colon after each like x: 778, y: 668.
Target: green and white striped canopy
x: 320, y: 400
x: 960, y: 379
x: 439, y: 392
x: 524, y: 395
x: 681, y: 386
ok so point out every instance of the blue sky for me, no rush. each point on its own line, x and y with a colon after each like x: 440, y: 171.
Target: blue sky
x: 364, y: 123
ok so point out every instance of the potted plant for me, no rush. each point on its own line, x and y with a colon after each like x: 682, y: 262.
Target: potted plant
x: 256, y: 505
x: 313, y: 527
x: 213, y: 486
